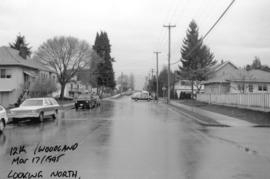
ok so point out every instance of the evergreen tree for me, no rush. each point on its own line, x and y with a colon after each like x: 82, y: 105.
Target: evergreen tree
x: 163, y: 81
x: 105, y: 74
x: 21, y: 46
x: 256, y: 64
x: 196, y: 57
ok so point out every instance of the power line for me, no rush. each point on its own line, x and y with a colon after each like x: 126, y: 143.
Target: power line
x: 208, y: 32
x: 162, y: 36
x: 218, y: 19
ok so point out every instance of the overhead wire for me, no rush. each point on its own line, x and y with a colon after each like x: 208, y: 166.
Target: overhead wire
x: 162, y: 36
x: 172, y: 18
x: 209, y: 31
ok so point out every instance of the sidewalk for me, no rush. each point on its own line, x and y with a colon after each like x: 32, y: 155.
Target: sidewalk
x: 219, y: 118
x: 113, y: 97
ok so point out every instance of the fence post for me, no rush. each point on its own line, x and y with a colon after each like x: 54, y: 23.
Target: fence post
x: 264, y: 102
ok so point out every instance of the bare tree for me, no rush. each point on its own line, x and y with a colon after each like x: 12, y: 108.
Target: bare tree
x: 131, y: 81
x: 66, y: 56
x: 242, y: 79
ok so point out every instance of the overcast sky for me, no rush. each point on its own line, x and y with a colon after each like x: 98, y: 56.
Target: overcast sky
x: 135, y: 27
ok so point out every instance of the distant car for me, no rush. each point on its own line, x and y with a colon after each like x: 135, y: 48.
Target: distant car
x: 35, y: 108
x: 3, y: 118
x: 144, y: 95
x: 84, y: 101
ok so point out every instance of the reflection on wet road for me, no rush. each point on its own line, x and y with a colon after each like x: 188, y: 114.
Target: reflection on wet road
x: 127, y: 139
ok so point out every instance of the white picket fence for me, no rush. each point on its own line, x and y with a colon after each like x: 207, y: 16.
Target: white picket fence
x: 256, y: 100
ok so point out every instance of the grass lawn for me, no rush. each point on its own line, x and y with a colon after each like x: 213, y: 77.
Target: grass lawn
x: 257, y: 117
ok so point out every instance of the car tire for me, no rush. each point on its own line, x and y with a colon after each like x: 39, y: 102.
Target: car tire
x: 54, y: 115
x: 41, y: 117
x: 2, y: 125
x: 15, y: 120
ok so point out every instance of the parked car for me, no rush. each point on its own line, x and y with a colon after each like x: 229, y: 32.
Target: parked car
x: 84, y: 101
x: 35, y: 108
x: 144, y: 95
x: 3, y: 118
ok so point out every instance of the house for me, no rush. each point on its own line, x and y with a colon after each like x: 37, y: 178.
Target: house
x: 73, y: 89
x: 218, y: 81
x: 17, y: 73
x: 183, y: 89
x: 227, y: 78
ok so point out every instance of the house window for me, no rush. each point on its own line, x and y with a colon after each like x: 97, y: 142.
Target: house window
x: 4, y: 74
x: 264, y: 87
x: 241, y: 87
x: 250, y: 88
x: 260, y: 87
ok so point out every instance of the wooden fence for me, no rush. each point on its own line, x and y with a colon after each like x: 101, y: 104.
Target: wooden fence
x: 249, y: 100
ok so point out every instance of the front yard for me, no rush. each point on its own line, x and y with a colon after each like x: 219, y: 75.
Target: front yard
x: 257, y: 117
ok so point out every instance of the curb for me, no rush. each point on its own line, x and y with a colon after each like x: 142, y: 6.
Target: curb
x: 199, y: 121
x: 262, y: 125
x: 67, y: 106
x: 220, y: 118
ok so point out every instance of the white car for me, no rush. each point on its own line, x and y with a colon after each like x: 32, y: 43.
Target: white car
x: 3, y: 118
x: 37, y: 108
x: 144, y: 95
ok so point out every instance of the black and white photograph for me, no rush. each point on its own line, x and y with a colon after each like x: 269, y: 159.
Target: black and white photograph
x: 134, y: 89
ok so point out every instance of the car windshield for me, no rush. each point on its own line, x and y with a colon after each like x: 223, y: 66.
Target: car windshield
x: 53, y: 101
x: 33, y: 102
x: 84, y: 96
x: 136, y: 94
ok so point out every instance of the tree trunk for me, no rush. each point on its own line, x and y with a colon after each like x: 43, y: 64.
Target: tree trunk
x: 97, y: 90
x: 192, y: 89
x: 62, y: 91
x: 101, y: 91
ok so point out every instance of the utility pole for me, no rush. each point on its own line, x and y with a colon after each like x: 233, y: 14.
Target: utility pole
x: 152, y: 73
x: 157, y: 74
x: 169, y: 60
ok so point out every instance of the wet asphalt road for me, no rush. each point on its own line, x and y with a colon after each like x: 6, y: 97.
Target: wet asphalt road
x: 125, y: 139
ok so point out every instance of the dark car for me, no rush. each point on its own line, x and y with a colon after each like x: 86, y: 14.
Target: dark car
x: 84, y: 101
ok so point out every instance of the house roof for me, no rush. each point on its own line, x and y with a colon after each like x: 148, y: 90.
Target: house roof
x: 225, y: 76
x: 219, y: 66
x: 11, y: 57
x: 255, y: 76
